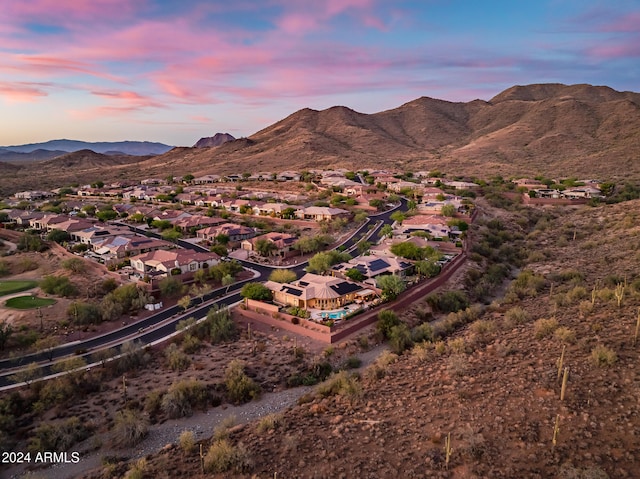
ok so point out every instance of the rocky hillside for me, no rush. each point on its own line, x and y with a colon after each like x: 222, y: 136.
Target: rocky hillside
x: 553, y: 129
x: 213, y: 141
x: 493, y: 387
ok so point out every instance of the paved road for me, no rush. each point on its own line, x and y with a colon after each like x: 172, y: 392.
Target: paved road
x: 163, y: 323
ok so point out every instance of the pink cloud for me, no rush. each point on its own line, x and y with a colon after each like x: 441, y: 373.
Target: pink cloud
x: 132, y: 99
x: 22, y: 91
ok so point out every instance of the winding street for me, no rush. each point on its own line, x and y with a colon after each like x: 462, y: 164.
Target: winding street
x: 162, y: 325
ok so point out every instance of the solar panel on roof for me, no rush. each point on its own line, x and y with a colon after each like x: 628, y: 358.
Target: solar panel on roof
x: 293, y: 291
x: 303, y: 283
x: 377, y: 265
x: 345, y: 288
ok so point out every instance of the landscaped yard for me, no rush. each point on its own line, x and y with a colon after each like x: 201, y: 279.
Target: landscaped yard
x: 28, y: 302
x: 9, y: 287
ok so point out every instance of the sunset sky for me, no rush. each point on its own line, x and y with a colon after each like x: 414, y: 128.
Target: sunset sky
x: 174, y: 71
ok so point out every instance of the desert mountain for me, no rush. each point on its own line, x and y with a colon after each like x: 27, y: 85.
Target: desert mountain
x: 141, y: 148
x: 548, y: 129
x: 35, y: 155
x: 212, y: 141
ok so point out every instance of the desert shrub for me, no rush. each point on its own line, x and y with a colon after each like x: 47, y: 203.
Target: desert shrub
x: 183, y: 396
x: 341, y: 384
x: 153, y: 402
x: 31, y: 242
x: 576, y: 294
x: 221, y: 326
x: 457, y: 364
x: 58, y: 436
x: 269, y: 423
x: 457, y: 345
x: 400, y: 338
x: 130, y: 428
x: 222, y: 430
x: 421, y: 333
x: 137, y: 469
x: 568, y: 471
x: 240, y: 387
x: 585, y: 307
x: 602, y: 356
x: 527, y: 284
x: 223, y: 456
x: 482, y: 326
x: 190, y: 344
x: 84, y: 313
x: 516, y: 315
x: 565, y: 335
x: 352, y: 362
x: 58, y: 285
x: 5, y: 269
x: 448, y: 302
x: 545, y: 327
x: 75, y: 265
x: 568, y: 275
x: 605, y: 294
x: 55, y: 392
x: 387, y: 319
x: 176, y: 359
x: 132, y: 356
x: 187, y: 441
x: 25, y: 264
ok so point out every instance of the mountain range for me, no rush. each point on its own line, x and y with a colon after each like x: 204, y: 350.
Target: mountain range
x: 53, y: 148
x: 549, y: 129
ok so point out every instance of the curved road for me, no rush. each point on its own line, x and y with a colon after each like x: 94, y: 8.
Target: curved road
x: 163, y: 324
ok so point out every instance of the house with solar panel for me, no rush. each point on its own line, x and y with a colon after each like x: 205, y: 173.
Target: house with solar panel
x: 373, y: 266
x: 313, y: 291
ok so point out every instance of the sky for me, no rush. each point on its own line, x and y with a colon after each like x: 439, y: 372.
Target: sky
x: 175, y: 71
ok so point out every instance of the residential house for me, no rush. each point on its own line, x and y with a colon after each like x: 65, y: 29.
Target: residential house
x: 283, y: 242
x: 372, y: 266
x: 196, y: 222
x: 288, y: 176
x: 33, y: 195
x: 234, y: 232
x: 435, y: 225
x: 402, y: 185
x: 206, y: 179
x: 273, y: 209
x: 461, y: 185
x: 47, y: 222
x: 321, y: 213
x: 165, y: 262
x: 315, y: 291
x: 123, y: 246
x: 97, y: 233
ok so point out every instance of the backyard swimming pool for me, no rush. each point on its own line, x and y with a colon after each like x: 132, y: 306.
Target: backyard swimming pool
x: 334, y: 315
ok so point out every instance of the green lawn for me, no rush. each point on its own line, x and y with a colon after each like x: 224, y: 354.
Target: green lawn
x: 28, y: 302
x: 9, y: 287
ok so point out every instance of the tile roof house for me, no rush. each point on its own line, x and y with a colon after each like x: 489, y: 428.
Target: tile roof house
x: 162, y: 262
x: 233, y: 231
x: 434, y: 224
x: 315, y: 291
x: 374, y: 265
x: 284, y: 242
x: 320, y: 213
x: 123, y: 246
